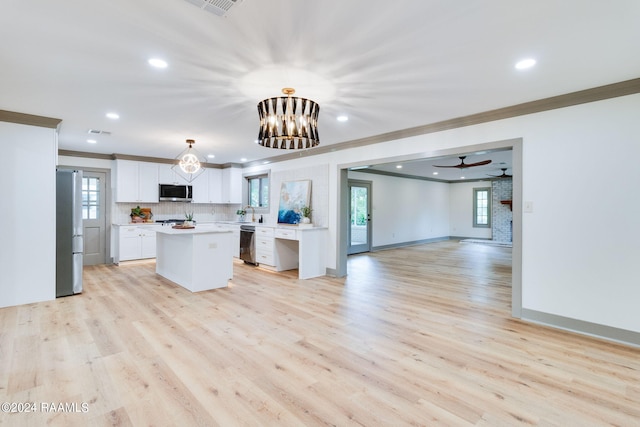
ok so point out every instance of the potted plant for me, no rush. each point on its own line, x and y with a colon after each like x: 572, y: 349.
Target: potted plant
x: 241, y: 213
x: 188, y: 222
x: 305, y: 211
x: 137, y: 215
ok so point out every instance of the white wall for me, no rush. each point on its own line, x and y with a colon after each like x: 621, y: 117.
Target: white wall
x: 318, y: 174
x: 27, y: 214
x: 580, y: 243
x: 461, y: 208
x: 406, y: 210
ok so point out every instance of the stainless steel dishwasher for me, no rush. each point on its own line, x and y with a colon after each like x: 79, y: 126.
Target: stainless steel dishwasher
x: 248, y: 244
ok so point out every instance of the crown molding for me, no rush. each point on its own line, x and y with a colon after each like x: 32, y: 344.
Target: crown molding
x: 72, y: 153
x: 29, y: 119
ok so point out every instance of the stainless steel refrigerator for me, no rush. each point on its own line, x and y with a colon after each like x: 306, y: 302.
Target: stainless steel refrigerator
x: 69, y: 232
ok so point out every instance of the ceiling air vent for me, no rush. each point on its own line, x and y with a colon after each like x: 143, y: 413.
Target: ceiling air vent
x: 217, y: 7
x: 98, y: 132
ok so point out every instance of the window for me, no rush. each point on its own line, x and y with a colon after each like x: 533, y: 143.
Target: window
x: 482, y: 207
x: 258, y: 191
x: 90, y: 197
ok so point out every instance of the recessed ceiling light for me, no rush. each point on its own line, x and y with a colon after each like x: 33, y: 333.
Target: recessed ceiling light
x: 158, y: 63
x: 398, y: 166
x: 113, y: 116
x: 211, y: 156
x: 265, y: 163
x: 525, y: 63
x: 342, y: 118
x: 462, y: 177
x: 244, y: 159
x: 92, y: 141
x: 435, y: 173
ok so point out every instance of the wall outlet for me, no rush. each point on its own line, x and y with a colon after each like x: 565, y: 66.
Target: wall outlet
x: 528, y: 207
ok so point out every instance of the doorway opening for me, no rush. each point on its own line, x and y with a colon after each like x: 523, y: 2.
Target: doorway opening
x: 515, y: 145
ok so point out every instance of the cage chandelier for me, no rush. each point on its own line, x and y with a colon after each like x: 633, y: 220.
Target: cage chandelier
x: 189, y: 163
x: 288, y: 123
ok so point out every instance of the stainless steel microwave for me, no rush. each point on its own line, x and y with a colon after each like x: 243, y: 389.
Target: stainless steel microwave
x: 175, y: 193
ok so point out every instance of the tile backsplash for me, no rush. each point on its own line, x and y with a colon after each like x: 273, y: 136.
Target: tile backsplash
x: 176, y: 210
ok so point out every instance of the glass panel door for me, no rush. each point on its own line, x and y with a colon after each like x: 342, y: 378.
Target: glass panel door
x: 94, y: 219
x: 360, y: 217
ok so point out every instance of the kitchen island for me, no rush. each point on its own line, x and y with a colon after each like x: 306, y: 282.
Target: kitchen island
x: 197, y: 259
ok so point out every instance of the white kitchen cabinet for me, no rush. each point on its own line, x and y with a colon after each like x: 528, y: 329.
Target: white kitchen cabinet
x: 135, y: 243
x: 232, y: 185
x: 200, y: 187
x: 277, y: 248
x: 207, y: 188
x: 136, y: 182
x: 288, y: 248
x: 166, y: 175
x: 215, y: 185
x: 235, y: 240
x: 147, y: 243
x: 264, y: 246
x: 128, y: 244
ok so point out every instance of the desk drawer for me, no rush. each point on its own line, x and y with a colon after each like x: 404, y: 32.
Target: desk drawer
x: 283, y: 233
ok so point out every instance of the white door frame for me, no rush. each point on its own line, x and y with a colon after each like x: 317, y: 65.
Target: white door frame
x: 363, y: 247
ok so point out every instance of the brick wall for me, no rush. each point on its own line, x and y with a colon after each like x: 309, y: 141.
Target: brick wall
x: 501, y: 189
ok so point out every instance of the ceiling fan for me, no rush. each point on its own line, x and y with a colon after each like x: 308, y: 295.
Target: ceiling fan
x: 504, y: 174
x: 464, y: 165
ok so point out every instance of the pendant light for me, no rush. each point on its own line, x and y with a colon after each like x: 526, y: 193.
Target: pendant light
x: 289, y: 123
x: 189, y: 163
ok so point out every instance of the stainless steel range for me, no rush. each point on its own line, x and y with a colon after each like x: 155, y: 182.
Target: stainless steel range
x: 170, y: 222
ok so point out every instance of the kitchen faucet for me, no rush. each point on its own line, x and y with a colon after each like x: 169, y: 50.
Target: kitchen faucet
x: 253, y: 212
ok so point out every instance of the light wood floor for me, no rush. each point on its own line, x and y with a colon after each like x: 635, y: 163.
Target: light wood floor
x: 416, y: 336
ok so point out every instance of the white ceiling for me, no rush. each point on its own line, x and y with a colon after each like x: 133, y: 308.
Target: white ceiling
x: 387, y: 65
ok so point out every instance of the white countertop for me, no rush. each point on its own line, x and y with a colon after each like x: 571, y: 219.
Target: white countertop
x: 223, y: 223
x: 199, y: 229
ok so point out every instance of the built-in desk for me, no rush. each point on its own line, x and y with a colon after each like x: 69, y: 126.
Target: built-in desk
x: 287, y: 248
